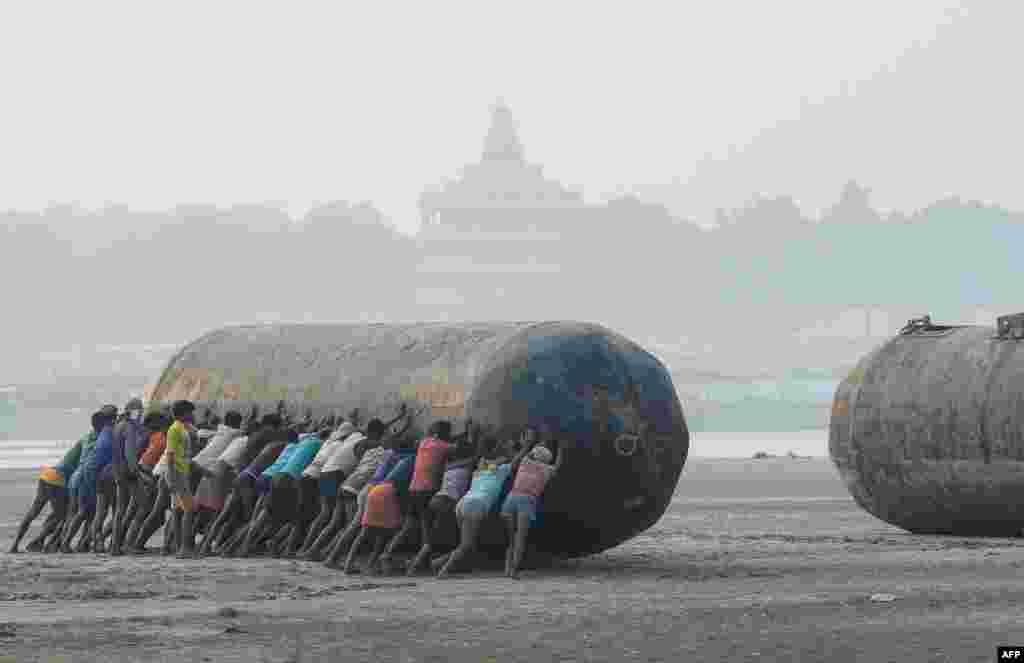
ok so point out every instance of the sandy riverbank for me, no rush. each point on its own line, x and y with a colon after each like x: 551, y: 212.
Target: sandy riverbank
x: 756, y: 560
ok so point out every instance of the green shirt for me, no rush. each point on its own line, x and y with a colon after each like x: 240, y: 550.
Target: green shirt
x: 177, y: 443
x: 69, y: 463
x: 88, y: 448
x: 73, y: 455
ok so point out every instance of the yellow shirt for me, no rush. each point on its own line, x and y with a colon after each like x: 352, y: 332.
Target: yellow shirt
x: 177, y: 442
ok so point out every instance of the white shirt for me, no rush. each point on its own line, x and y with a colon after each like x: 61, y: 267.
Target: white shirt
x: 315, y: 467
x: 343, y: 457
x: 210, y: 454
x: 234, y: 454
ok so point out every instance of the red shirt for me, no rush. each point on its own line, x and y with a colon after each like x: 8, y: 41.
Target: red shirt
x: 429, y: 468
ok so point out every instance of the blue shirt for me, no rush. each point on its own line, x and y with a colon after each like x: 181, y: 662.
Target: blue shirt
x: 401, y: 472
x: 104, y: 449
x: 279, y: 464
x: 488, y: 484
x: 304, y: 453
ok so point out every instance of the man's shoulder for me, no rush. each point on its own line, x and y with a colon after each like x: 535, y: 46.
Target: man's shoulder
x: 176, y: 432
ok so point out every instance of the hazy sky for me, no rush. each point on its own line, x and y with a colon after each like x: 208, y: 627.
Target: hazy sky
x: 699, y: 104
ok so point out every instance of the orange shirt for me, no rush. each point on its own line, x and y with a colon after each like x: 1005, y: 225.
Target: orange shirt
x: 157, y: 444
x: 429, y: 468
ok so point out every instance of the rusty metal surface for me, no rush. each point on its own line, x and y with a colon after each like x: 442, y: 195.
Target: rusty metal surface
x: 927, y: 433
x: 333, y: 367
x: 612, y: 397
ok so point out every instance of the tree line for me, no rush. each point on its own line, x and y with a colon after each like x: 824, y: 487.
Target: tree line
x: 118, y: 275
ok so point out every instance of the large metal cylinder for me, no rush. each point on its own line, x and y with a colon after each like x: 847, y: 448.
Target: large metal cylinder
x: 614, y: 399
x: 928, y: 431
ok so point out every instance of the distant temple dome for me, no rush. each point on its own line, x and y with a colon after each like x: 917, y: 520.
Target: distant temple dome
x: 502, y: 140
x: 501, y: 181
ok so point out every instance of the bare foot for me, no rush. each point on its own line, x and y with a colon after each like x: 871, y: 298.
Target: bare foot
x: 437, y: 564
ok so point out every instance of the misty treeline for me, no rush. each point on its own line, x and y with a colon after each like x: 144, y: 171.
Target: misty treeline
x: 118, y: 275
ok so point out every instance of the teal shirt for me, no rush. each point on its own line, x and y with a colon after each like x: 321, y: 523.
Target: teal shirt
x: 279, y: 464
x: 305, y: 451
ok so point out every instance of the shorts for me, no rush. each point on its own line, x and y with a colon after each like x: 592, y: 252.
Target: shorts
x: 515, y: 504
x: 284, y: 498
x: 441, y: 503
x: 106, y: 484
x: 179, y: 484
x: 87, y: 503
x: 473, y: 505
x: 57, y: 497
x: 123, y: 473
x: 107, y: 473
x: 308, y: 504
x: 213, y: 489
x: 330, y: 483
x: 382, y: 508
x: 419, y: 502
x: 263, y: 484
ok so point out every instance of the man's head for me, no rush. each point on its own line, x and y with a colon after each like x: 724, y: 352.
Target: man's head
x: 344, y: 430
x: 133, y: 409
x: 183, y: 410
x: 541, y: 454
x: 233, y: 419
x: 102, y: 419
x: 98, y: 420
x: 109, y: 411
x: 153, y: 421
x: 375, y: 429
x: 273, y: 420
x: 491, y: 446
x: 441, y: 429
x: 464, y: 449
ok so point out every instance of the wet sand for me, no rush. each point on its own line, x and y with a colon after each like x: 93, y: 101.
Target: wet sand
x: 755, y: 560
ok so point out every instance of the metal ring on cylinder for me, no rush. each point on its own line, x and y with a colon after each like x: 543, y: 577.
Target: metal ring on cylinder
x: 623, y: 440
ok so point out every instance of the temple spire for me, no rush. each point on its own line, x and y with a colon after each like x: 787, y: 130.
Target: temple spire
x: 502, y: 141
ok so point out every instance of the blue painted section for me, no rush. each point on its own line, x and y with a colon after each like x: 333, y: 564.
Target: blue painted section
x: 560, y: 370
x: 657, y: 395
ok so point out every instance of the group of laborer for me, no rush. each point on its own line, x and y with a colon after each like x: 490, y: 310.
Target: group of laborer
x: 313, y: 489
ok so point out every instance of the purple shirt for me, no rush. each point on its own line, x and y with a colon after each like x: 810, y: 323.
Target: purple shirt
x: 104, y: 447
x: 129, y: 438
